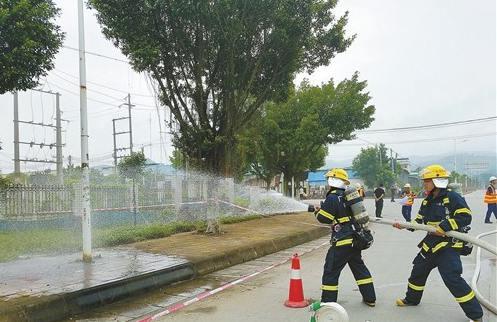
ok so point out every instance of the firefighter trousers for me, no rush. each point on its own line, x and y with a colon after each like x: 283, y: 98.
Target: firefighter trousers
x: 336, y: 259
x: 448, y: 262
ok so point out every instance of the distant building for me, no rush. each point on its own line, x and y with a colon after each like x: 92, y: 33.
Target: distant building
x: 405, y: 164
x: 317, y: 185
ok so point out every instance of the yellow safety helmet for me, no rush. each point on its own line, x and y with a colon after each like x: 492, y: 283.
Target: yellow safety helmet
x: 437, y: 173
x: 434, y: 171
x: 339, y: 174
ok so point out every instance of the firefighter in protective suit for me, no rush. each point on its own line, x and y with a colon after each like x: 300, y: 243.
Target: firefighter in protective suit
x: 334, y: 212
x: 447, y: 211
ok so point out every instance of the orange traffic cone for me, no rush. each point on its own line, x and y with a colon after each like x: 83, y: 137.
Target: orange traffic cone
x: 296, y: 293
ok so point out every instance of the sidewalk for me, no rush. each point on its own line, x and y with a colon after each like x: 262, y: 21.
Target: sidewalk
x: 52, y: 288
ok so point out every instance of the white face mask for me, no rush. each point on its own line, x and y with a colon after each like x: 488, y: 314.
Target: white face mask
x: 337, y: 183
x: 441, y: 183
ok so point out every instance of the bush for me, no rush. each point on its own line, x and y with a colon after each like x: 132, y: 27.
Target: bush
x: 132, y: 234
x: 5, y: 182
x: 232, y: 220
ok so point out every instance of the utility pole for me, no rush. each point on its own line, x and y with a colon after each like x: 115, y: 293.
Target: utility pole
x: 85, y: 159
x: 130, y: 131
x: 150, y: 138
x: 130, y: 147
x: 115, y: 134
x: 17, y: 162
x: 130, y: 126
x: 114, y: 139
x: 131, y: 152
x: 58, y: 140
x: 379, y: 154
x: 455, y: 156
x: 391, y: 161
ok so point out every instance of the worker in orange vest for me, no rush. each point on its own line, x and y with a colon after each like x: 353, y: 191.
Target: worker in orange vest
x: 408, y: 196
x: 360, y: 189
x: 491, y: 199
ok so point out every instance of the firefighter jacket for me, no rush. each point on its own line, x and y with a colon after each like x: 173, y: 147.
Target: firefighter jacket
x: 449, y: 211
x: 334, y: 212
x: 490, y: 195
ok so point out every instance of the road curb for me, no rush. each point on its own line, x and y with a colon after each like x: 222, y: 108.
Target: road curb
x: 243, y: 254
x: 60, y: 306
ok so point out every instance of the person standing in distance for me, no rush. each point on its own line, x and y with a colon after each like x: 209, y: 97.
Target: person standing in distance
x: 408, y: 196
x: 379, y: 194
x: 491, y: 199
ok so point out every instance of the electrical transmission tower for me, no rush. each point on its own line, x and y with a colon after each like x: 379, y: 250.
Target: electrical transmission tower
x: 130, y: 132
x: 58, y: 137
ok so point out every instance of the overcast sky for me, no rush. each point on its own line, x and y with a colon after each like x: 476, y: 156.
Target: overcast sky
x: 425, y: 62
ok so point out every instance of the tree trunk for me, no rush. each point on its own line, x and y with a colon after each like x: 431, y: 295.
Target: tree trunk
x: 268, y: 182
x: 213, y: 225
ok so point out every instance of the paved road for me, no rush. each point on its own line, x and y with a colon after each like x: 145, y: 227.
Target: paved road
x: 261, y: 298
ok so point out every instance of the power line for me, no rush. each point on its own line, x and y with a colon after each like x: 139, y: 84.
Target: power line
x: 429, y: 140
x: 150, y: 107
x: 105, y: 86
x: 76, y: 94
x: 430, y: 126
x: 98, y: 55
x: 92, y: 90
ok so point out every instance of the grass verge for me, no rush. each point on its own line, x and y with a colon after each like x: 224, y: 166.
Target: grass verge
x: 52, y: 241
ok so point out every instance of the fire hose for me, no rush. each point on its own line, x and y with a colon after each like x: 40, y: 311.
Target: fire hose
x: 455, y: 234
x: 474, y: 280
x: 460, y: 236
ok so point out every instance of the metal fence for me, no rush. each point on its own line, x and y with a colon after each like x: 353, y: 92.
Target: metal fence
x: 29, y: 202
x: 33, y: 202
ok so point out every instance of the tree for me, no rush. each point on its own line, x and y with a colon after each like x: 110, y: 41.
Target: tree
x: 259, y: 149
x: 29, y: 41
x: 292, y: 137
x: 374, y: 166
x: 132, y: 166
x: 216, y: 62
x: 5, y: 182
x: 177, y: 159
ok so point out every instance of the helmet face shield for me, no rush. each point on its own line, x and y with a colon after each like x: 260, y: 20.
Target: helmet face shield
x: 337, y: 183
x: 441, y: 183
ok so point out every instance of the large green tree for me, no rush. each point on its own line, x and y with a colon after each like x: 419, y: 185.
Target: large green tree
x: 292, y: 137
x: 29, y: 41
x: 373, y: 165
x: 216, y: 62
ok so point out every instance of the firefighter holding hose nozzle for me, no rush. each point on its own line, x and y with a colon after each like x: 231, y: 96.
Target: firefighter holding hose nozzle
x: 344, y: 211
